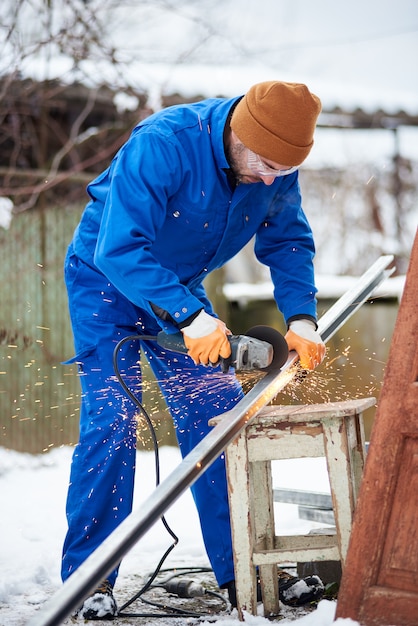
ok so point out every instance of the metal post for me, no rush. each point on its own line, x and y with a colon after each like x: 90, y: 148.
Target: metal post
x: 108, y: 555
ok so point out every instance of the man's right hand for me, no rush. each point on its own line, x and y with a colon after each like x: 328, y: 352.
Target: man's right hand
x: 206, y: 339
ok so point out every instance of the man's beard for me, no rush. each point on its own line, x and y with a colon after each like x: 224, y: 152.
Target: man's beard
x: 234, y: 155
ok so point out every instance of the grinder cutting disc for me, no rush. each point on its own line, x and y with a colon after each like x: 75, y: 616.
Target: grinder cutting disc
x: 274, y: 338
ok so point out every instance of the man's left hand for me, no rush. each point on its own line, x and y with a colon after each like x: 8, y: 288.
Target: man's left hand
x: 304, y: 338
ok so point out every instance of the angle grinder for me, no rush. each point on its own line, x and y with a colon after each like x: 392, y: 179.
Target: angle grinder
x: 261, y: 348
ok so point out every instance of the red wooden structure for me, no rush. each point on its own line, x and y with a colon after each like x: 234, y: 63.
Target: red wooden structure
x: 379, y: 586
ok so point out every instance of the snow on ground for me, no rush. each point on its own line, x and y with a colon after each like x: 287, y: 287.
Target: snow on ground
x: 32, y: 527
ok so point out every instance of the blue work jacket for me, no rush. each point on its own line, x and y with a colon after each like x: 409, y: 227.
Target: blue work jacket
x: 163, y: 216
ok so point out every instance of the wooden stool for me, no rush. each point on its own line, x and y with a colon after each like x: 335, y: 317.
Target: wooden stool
x: 334, y: 430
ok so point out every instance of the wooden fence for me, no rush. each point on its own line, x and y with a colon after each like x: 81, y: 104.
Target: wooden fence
x: 39, y: 397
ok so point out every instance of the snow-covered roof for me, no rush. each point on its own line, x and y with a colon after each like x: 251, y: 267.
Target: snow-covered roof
x: 329, y: 288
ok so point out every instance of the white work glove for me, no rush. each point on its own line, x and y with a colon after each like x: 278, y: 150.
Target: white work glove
x: 206, y: 339
x: 303, y: 337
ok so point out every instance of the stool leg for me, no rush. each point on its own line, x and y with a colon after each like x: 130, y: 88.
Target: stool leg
x: 356, y: 449
x: 242, y: 525
x: 262, y: 502
x: 340, y: 477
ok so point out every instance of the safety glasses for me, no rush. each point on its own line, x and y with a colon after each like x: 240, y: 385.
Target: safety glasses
x: 256, y: 165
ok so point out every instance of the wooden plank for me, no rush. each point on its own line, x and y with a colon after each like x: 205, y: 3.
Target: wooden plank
x: 313, y: 412
x: 299, y: 445
x: 379, y: 583
x: 340, y: 478
x: 239, y: 497
x: 261, y: 496
x: 296, y: 548
x: 322, y: 540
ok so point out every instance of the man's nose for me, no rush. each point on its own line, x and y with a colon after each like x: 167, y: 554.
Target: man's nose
x: 268, y: 180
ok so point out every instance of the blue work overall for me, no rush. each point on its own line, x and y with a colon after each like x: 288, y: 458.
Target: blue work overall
x: 103, y: 466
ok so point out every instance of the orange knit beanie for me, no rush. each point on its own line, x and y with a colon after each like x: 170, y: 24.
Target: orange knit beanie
x: 277, y: 120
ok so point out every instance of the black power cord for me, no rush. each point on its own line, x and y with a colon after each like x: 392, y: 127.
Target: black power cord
x: 182, y: 588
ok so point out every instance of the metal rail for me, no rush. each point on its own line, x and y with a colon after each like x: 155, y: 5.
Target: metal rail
x: 107, y: 556
x: 352, y: 300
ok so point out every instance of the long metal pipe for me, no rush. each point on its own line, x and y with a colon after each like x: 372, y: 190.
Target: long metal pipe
x: 109, y: 554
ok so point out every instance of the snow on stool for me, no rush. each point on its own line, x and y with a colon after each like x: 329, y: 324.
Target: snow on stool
x: 333, y: 430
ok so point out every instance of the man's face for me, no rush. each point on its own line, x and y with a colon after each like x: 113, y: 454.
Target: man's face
x: 250, y: 168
